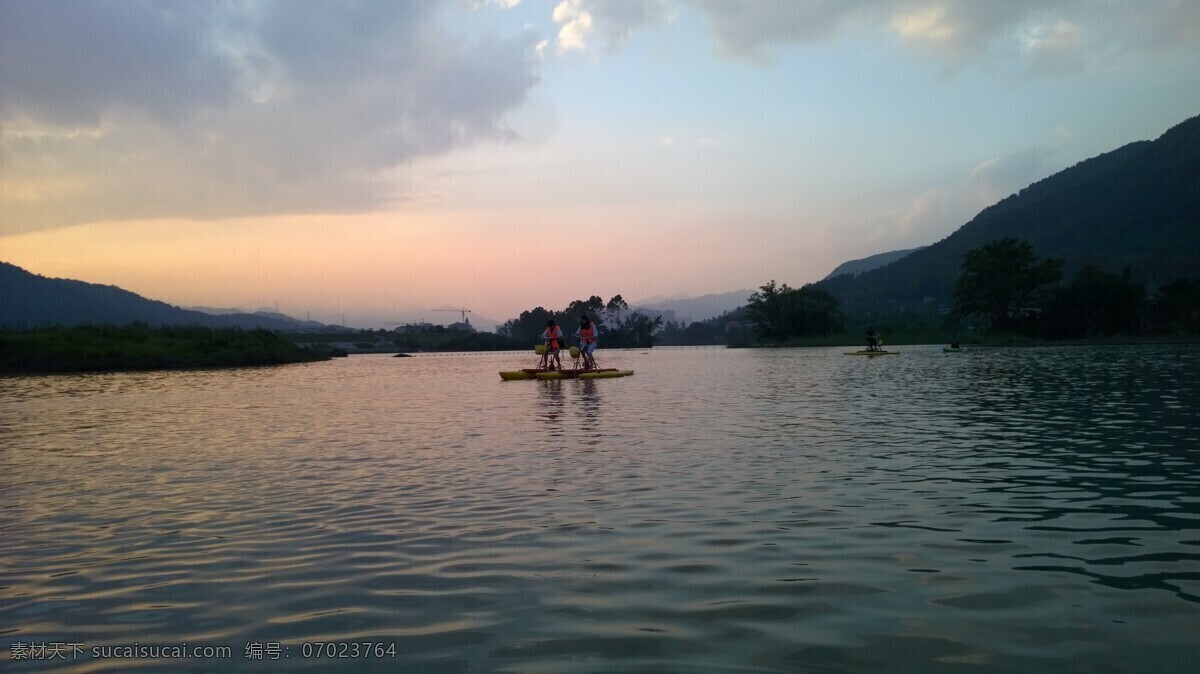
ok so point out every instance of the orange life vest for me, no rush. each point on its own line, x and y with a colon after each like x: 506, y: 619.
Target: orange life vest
x: 588, y: 334
x: 553, y: 334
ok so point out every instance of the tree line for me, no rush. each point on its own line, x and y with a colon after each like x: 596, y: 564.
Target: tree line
x: 1008, y: 289
x: 619, y: 326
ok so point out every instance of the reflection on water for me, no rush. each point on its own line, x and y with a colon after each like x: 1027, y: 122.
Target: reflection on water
x: 722, y: 510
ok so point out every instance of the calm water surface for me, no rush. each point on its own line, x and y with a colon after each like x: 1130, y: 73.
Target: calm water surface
x: 723, y: 510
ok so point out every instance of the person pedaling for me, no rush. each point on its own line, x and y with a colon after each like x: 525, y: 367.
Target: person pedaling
x: 552, y: 340
x: 587, y: 334
x: 552, y: 336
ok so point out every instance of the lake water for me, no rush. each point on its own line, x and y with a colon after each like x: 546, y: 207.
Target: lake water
x: 1007, y: 510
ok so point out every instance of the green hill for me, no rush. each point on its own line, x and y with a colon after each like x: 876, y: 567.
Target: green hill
x: 1137, y: 206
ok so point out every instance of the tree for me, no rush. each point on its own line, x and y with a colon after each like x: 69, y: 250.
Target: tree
x: 812, y: 311
x: 1095, y: 303
x: 1177, y: 307
x: 636, y: 330
x: 527, y: 326
x: 591, y: 307
x: 765, y: 309
x: 1001, y: 280
x: 780, y: 313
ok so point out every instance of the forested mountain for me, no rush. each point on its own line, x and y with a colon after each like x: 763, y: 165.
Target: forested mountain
x: 867, y: 264
x: 30, y: 300
x: 1137, y: 207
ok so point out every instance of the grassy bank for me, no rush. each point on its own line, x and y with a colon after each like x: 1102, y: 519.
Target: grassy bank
x: 140, y: 347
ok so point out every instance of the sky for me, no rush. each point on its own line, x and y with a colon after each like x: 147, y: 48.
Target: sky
x: 375, y: 160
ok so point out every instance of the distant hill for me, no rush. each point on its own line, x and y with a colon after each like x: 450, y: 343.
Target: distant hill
x: 30, y: 300
x: 870, y: 263
x: 1137, y: 206
x: 694, y: 309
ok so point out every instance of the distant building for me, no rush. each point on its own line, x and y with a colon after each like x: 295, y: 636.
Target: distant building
x: 465, y: 326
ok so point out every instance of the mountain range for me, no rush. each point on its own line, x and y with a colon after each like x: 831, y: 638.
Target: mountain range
x: 1136, y: 207
x: 30, y: 300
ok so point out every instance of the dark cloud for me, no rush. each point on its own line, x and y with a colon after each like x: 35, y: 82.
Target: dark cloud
x: 68, y: 62
x: 125, y: 110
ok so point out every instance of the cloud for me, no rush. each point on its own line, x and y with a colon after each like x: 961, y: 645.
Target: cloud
x: 502, y: 4
x: 924, y: 207
x: 946, y: 29
x: 117, y: 110
x: 1047, y: 35
x: 952, y: 28
x: 744, y: 27
x: 998, y: 177
x: 68, y: 63
x: 930, y: 215
x: 937, y: 210
x: 1053, y: 47
x: 612, y: 21
x: 576, y: 25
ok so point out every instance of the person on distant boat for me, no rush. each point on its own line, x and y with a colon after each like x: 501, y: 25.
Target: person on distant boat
x: 872, y: 339
x: 587, y: 334
x: 553, y: 337
x: 954, y: 344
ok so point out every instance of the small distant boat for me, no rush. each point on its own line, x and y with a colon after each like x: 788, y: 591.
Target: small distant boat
x: 872, y: 353
x: 951, y: 349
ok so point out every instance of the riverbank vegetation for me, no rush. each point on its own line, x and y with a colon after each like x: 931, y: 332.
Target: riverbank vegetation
x: 140, y: 347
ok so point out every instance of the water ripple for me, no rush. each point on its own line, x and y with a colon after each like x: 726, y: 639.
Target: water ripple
x: 724, y: 510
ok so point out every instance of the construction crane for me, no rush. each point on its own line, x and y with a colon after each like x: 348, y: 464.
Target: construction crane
x: 463, y: 311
